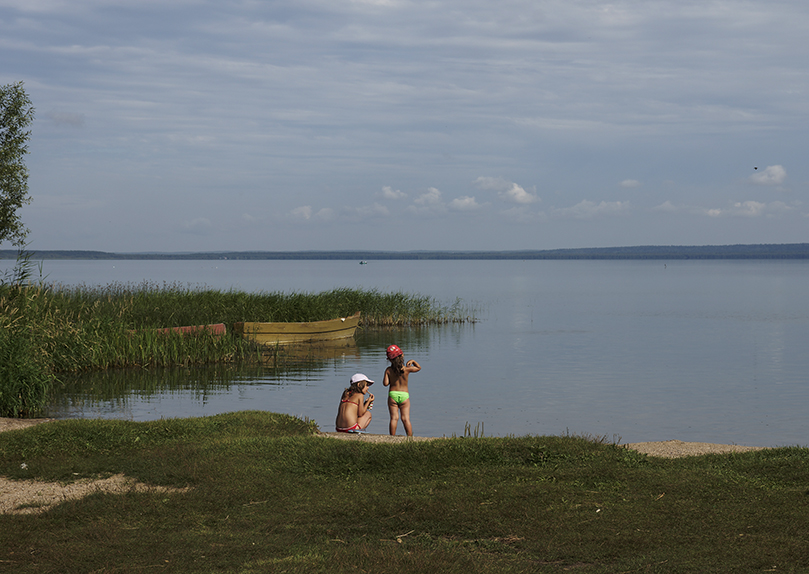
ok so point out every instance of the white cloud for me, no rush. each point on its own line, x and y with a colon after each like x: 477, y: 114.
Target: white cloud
x: 517, y: 194
x: 432, y: 197
x: 464, y: 204
x: 506, y: 190
x: 667, y: 206
x: 630, y: 183
x: 428, y: 204
x: 306, y: 213
x: 325, y: 214
x: 588, y: 209
x: 390, y: 193
x: 771, y: 175
x: 302, y: 212
x: 749, y: 209
x: 491, y: 183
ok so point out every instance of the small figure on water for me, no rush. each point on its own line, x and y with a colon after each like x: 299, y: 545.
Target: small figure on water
x: 398, y: 395
x: 354, y: 412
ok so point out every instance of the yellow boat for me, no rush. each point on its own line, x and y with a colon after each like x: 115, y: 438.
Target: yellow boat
x: 286, y: 333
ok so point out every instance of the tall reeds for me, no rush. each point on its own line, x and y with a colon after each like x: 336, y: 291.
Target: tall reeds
x: 51, y: 329
x: 26, y: 376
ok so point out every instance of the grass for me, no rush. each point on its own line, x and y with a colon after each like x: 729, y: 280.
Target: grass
x: 266, y: 495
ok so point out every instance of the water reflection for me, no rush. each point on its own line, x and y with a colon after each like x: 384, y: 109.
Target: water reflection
x: 303, y: 374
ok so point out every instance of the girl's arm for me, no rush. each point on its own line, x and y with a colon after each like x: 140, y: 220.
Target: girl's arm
x: 386, y: 380
x: 413, y: 366
x: 364, y: 404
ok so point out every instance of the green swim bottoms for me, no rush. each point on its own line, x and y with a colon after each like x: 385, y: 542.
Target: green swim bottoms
x: 399, y: 397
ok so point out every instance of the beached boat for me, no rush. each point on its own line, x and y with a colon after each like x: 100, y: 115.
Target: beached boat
x: 286, y: 333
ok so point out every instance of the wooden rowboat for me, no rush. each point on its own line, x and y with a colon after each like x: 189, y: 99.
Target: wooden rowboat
x: 286, y: 333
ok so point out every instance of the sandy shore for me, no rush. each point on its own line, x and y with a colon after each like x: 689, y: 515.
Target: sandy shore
x: 14, y: 424
x: 664, y: 449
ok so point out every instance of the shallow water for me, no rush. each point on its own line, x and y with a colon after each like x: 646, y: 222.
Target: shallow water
x: 709, y: 351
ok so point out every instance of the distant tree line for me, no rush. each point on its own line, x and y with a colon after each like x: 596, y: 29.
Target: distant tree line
x: 654, y: 252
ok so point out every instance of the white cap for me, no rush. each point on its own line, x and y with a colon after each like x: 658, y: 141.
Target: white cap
x: 359, y: 377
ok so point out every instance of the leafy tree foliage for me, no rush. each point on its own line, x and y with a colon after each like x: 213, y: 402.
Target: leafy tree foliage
x: 16, y: 114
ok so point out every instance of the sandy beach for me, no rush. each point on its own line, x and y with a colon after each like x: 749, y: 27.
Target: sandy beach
x: 663, y: 449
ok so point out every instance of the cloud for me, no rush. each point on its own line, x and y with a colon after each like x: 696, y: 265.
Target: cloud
x: 390, y: 193
x: 506, y: 190
x: 464, y: 204
x: 736, y: 209
x: 667, y: 206
x: 428, y: 204
x: 771, y: 175
x: 432, y: 197
x: 517, y: 194
x: 305, y: 213
x: 749, y: 209
x: 589, y: 209
x: 630, y: 183
x: 302, y: 212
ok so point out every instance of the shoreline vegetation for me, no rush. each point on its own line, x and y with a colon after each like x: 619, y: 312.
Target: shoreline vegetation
x: 653, y: 252
x: 50, y: 330
x: 258, y: 491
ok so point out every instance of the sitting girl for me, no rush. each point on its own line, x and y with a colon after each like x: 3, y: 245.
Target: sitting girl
x: 354, y: 414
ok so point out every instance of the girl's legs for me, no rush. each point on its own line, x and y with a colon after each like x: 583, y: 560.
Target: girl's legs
x: 364, y: 420
x: 393, y: 409
x: 405, y: 409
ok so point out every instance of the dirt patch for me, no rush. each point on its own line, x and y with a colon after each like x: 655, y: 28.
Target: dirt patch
x: 678, y: 448
x: 33, y: 497
x: 14, y: 424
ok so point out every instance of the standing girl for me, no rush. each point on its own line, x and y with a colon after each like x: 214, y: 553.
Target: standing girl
x: 398, y: 395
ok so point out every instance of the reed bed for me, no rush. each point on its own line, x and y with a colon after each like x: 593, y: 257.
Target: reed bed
x: 153, y: 305
x: 51, y: 329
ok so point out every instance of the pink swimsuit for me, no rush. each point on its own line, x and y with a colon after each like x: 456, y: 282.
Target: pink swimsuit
x: 356, y: 425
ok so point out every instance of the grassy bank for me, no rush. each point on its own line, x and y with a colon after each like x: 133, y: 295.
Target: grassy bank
x: 47, y: 330
x: 266, y: 496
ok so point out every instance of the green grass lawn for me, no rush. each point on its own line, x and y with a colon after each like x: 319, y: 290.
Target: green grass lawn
x: 267, y: 496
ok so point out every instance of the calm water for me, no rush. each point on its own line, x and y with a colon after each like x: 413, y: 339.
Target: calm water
x: 697, y: 351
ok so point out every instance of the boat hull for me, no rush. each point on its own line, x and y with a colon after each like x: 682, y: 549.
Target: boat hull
x: 289, y: 333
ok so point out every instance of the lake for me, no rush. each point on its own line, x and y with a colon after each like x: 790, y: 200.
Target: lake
x: 708, y: 351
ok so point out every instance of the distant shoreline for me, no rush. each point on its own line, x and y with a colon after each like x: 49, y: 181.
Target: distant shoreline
x: 647, y: 252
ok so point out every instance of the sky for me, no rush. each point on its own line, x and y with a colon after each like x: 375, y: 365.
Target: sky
x: 196, y: 125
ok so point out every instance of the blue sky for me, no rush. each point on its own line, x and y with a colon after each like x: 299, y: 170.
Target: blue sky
x: 399, y: 125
